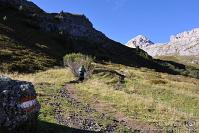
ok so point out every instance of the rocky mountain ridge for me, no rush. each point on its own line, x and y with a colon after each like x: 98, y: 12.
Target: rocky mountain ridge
x: 64, y: 23
x: 182, y: 44
x: 185, y: 36
x: 74, y: 25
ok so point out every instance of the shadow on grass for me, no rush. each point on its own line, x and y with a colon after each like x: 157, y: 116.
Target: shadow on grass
x: 45, y: 127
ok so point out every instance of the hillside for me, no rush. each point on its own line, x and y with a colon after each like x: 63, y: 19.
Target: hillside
x: 31, y: 40
x: 24, y: 44
x: 147, y: 100
x: 187, y: 60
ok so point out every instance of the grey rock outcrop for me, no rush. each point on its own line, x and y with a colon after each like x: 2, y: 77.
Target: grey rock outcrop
x: 182, y: 44
x: 70, y: 24
x: 18, y: 103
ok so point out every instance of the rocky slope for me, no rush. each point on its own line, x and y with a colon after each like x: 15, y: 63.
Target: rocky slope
x: 182, y: 44
x: 63, y: 23
x: 31, y: 40
x: 140, y: 41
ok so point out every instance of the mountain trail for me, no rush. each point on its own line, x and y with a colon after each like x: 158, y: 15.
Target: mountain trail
x: 69, y: 92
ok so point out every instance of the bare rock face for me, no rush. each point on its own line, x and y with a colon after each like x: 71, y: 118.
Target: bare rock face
x: 18, y: 103
x: 186, y: 36
x: 182, y: 44
x: 140, y: 41
x: 70, y: 24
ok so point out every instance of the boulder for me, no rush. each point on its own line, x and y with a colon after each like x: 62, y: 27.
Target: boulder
x: 18, y: 103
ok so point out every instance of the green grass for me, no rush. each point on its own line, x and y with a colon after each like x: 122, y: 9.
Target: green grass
x: 147, y: 96
x: 15, y: 57
x: 187, y: 60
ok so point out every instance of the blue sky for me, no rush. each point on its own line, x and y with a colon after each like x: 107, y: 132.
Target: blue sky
x: 122, y: 20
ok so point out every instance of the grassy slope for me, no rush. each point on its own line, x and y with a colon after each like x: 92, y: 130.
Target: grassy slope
x: 187, y: 60
x: 161, y: 100
x: 24, y: 48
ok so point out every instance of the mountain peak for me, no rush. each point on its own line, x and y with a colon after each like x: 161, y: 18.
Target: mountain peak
x: 183, y: 44
x: 140, y: 40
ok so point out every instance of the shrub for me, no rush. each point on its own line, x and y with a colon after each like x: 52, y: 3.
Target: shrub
x: 75, y: 60
x: 194, y: 73
x: 143, y: 54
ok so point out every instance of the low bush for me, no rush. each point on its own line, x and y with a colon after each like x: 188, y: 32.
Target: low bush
x: 75, y: 60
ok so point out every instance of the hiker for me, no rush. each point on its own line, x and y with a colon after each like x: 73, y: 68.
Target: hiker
x: 82, y: 71
x: 4, y: 18
x: 122, y: 79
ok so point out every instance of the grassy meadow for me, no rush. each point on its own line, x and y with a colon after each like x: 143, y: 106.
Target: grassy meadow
x: 192, y: 61
x: 167, y: 102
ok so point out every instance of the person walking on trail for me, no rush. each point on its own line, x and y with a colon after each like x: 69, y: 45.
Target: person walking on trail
x: 82, y: 72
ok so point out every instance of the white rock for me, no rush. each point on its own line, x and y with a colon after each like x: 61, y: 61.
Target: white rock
x: 182, y: 44
x: 140, y: 41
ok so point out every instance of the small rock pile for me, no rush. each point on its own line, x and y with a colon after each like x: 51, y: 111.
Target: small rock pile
x: 18, y: 103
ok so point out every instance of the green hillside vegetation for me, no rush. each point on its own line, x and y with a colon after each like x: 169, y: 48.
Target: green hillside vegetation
x: 187, y: 60
x: 25, y: 48
x: 147, y: 98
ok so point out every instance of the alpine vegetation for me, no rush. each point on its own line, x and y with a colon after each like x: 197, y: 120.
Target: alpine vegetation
x: 76, y: 60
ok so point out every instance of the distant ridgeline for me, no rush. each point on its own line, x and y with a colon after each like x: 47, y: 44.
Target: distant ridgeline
x: 182, y: 44
x: 31, y: 39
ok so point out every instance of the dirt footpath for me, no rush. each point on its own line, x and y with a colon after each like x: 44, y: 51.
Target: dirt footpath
x: 85, y: 121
